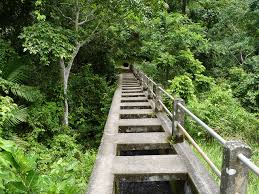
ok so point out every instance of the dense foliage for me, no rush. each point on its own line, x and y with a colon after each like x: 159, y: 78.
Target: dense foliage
x: 58, y: 64
x: 208, y: 57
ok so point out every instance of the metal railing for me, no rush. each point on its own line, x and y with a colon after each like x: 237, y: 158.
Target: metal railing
x: 236, y: 155
x: 201, y: 123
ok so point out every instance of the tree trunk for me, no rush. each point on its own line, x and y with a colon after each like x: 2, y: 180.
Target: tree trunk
x: 184, y: 5
x: 167, y: 74
x: 65, y: 75
x: 65, y: 83
x: 65, y: 70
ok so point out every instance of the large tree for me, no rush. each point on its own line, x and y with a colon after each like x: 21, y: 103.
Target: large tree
x: 64, y: 26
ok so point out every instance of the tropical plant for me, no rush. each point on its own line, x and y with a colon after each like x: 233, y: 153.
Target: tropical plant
x: 19, y: 173
x: 10, y: 113
x: 12, y: 74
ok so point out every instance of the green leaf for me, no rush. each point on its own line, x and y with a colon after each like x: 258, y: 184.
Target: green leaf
x: 16, y: 187
x: 32, y: 180
x: 7, y: 145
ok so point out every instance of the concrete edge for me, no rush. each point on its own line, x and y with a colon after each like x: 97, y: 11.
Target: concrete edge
x: 198, y: 174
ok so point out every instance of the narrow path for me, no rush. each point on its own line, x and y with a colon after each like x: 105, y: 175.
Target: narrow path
x: 135, y: 156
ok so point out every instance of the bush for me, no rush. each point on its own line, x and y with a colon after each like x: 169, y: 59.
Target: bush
x: 10, y: 113
x: 246, y: 88
x: 182, y: 86
x: 203, y: 84
x: 21, y: 174
x: 45, y: 119
x: 88, y: 111
x: 225, y: 115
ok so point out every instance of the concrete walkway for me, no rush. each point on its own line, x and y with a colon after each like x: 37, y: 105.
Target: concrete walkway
x: 135, y: 148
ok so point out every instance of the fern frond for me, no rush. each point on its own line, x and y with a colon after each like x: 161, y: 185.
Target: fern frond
x: 26, y: 92
x: 17, y: 75
x: 19, y: 115
x: 15, y: 71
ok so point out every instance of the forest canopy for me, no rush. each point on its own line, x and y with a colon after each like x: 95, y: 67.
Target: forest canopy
x: 59, y: 64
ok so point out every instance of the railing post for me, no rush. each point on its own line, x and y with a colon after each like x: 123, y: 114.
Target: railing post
x: 234, y: 174
x: 136, y: 72
x: 138, y: 76
x: 150, y: 89
x: 141, y: 76
x: 145, y: 82
x: 131, y: 67
x: 158, y: 106
x: 178, y: 117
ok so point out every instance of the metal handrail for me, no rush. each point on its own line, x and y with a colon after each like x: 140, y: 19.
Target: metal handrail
x: 248, y: 163
x: 201, y: 123
x: 197, y: 147
x: 166, y: 93
x: 151, y: 80
x: 153, y: 93
x: 240, y: 156
x: 166, y: 109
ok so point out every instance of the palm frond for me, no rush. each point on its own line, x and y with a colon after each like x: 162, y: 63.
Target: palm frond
x: 27, y: 92
x: 17, y: 75
x: 18, y: 116
x: 15, y: 71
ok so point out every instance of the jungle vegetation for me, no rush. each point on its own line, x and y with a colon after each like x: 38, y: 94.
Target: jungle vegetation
x: 58, y: 73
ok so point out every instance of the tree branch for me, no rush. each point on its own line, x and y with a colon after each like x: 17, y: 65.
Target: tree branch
x: 248, y: 55
x: 236, y: 59
x: 68, y: 4
x: 77, y: 8
x: 70, y: 63
x: 62, y: 63
x: 85, y: 41
x: 241, y: 57
x: 64, y: 14
x: 86, y: 18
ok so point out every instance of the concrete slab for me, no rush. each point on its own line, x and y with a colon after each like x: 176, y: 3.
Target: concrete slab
x: 131, y: 88
x: 154, y: 164
x: 132, y: 92
x: 129, y: 78
x: 133, y: 101
x: 135, y: 98
x: 141, y: 138
x: 136, y: 111
x: 135, y: 104
x: 130, y: 84
x: 139, y: 122
x: 128, y: 95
